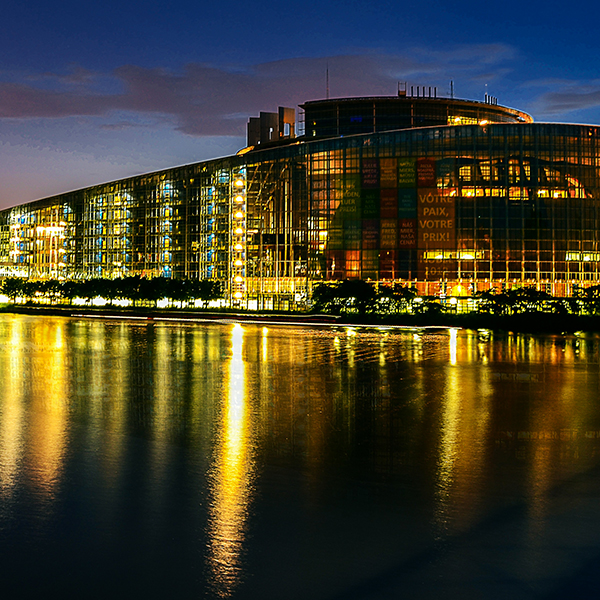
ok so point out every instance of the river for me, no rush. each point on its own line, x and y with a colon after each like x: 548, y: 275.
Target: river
x: 155, y: 459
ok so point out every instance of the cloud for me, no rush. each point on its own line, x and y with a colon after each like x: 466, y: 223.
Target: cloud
x: 119, y: 126
x: 548, y: 82
x: 568, y: 96
x: 559, y: 102
x: 25, y: 101
x: 204, y: 100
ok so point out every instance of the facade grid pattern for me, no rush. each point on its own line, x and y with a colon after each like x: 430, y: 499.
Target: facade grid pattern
x: 448, y: 209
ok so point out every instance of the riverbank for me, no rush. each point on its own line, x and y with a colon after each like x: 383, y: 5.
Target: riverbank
x: 524, y: 323
x: 147, y: 314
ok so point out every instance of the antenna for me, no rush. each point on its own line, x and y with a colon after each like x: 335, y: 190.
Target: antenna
x: 327, y: 80
x: 452, y: 89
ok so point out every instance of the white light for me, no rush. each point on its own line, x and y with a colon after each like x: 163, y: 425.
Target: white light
x: 122, y: 302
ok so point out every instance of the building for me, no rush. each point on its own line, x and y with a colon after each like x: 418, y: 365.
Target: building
x: 449, y: 196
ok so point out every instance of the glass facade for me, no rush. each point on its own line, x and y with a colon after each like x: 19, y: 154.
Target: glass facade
x: 446, y: 209
x: 350, y: 116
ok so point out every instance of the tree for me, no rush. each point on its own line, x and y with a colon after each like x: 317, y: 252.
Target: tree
x: 590, y: 297
x: 517, y: 301
x: 208, y: 289
x: 13, y: 287
x: 394, y: 299
x: 348, y: 296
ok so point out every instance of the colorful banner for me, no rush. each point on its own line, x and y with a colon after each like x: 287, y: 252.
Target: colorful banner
x: 370, y: 173
x: 370, y: 234
x: 389, y: 233
x: 352, y: 235
x: 406, y: 173
x: 370, y: 204
x: 426, y: 173
x: 407, y: 203
x: 435, y: 269
x: 407, y: 234
x: 388, y: 173
x: 351, y: 198
x: 436, y: 220
x: 389, y: 204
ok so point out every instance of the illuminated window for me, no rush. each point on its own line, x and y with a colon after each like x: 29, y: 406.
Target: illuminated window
x: 514, y: 171
x: 583, y: 256
x: 456, y: 120
x: 517, y: 193
x: 485, y: 170
x: 453, y: 255
x: 465, y: 173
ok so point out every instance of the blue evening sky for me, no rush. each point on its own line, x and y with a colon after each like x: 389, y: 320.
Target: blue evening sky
x: 91, y: 92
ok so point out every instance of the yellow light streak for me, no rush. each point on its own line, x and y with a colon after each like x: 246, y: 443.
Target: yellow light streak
x: 231, y: 476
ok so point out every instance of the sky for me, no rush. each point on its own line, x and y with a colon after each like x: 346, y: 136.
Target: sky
x: 93, y: 92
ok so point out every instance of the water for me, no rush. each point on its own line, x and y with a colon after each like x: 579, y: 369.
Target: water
x: 152, y: 460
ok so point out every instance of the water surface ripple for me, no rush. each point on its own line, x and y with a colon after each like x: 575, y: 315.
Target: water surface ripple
x: 153, y: 460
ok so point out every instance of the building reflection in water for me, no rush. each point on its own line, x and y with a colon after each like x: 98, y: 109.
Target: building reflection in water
x: 139, y: 424
x: 462, y: 454
x: 231, y: 477
x: 48, y: 420
x: 109, y: 416
x: 12, y: 369
x: 33, y: 410
x: 166, y: 350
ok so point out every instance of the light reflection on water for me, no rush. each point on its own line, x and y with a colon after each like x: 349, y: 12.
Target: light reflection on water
x: 213, y: 453
x: 47, y: 422
x: 231, y: 476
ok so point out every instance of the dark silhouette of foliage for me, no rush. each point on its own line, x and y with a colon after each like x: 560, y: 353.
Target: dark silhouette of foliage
x: 518, y: 301
x: 13, y: 287
x: 351, y: 298
x: 345, y: 297
x: 394, y: 299
x: 590, y: 299
x: 428, y: 308
x: 134, y: 288
x: 354, y: 296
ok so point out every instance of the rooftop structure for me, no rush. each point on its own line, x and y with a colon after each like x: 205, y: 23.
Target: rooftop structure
x: 349, y: 116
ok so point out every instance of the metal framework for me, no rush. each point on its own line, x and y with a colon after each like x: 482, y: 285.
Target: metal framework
x: 448, y: 209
